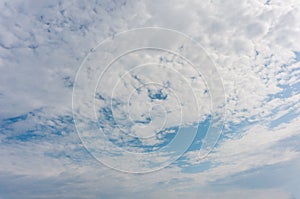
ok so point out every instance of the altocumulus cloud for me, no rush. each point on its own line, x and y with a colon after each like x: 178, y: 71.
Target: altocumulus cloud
x: 254, y: 45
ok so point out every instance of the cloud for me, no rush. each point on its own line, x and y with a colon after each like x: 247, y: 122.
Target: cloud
x: 254, y: 45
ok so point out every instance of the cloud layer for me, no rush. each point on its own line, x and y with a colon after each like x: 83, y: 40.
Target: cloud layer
x: 254, y: 46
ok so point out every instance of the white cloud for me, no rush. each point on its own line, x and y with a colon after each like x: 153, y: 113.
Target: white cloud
x: 43, y: 43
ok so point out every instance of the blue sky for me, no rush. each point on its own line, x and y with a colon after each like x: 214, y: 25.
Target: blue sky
x: 141, y: 114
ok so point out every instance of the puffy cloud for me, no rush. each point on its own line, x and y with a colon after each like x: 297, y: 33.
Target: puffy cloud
x: 254, y: 45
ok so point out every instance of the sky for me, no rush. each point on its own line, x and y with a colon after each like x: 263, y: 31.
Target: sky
x: 149, y: 99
